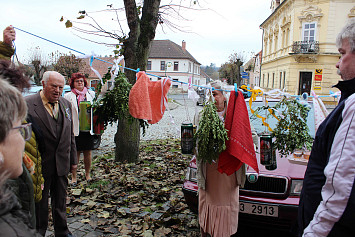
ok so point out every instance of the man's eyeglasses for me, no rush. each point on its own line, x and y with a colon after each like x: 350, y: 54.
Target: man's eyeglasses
x: 25, y: 130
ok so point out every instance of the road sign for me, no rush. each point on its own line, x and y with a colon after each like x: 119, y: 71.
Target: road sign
x: 245, y: 77
x: 317, y: 88
x: 317, y: 77
x: 319, y: 71
x: 244, y: 73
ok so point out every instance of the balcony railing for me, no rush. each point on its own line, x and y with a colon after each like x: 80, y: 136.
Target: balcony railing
x: 305, y: 47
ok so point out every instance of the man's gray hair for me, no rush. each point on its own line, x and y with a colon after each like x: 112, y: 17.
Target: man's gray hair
x: 47, y: 74
x: 348, y: 32
x: 12, y: 106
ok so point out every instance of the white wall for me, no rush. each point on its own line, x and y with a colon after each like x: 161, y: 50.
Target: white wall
x: 186, y: 70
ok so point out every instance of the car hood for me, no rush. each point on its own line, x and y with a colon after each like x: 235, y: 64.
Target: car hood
x: 286, y: 166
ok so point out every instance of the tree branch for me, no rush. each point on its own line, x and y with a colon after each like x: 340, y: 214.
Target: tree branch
x: 131, y: 15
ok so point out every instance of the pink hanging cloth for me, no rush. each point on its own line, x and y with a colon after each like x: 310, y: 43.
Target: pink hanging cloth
x: 148, y: 99
x: 240, y: 147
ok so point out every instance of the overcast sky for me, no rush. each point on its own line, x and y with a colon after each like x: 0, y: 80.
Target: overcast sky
x: 227, y: 26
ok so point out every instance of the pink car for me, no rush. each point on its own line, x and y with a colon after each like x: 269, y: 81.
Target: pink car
x: 269, y: 198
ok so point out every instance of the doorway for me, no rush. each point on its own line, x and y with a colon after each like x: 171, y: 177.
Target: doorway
x: 305, y: 83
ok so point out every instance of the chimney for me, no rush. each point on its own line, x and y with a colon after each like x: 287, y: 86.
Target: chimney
x: 183, y: 45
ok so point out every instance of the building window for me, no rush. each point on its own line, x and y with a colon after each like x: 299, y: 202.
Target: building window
x: 94, y: 83
x: 263, y: 80
x: 162, y: 65
x: 149, y: 65
x: 175, y: 85
x: 284, y: 84
x: 267, y: 80
x: 273, y: 80
x: 287, y: 36
x: 176, y: 66
x: 280, y: 80
x: 309, y: 31
x: 189, y: 67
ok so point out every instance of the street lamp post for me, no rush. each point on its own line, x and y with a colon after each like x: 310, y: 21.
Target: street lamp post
x: 169, y: 64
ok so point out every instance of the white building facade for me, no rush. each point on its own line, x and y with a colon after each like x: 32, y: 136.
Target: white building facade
x: 169, y: 59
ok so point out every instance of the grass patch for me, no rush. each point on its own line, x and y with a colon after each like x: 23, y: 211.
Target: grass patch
x: 98, y: 183
x: 147, y: 209
x: 103, y: 158
x: 148, y: 148
x: 173, y: 149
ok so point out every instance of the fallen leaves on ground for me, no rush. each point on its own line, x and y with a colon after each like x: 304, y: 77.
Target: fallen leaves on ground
x: 141, y: 199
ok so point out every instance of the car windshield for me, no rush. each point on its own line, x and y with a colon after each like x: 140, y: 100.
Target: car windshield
x: 272, y: 121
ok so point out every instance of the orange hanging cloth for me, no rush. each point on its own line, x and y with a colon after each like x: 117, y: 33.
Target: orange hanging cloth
x: 148, y: 99
x: 240, y: 147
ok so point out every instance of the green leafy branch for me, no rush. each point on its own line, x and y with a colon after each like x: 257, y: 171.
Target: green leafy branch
x: 211, y: 134
x: 291, y: 131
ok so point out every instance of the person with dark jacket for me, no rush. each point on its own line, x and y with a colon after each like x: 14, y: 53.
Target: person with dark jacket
x: 52, y: 114
x: 13, y: 134
x: 327, y: 203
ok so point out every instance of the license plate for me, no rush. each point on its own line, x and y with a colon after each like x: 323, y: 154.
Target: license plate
x: 259, y: 209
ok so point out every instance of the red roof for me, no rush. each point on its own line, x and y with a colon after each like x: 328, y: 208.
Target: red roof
x: 98, y: 65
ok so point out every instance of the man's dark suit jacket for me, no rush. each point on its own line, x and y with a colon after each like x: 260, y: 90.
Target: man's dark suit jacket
x: 53, y: 157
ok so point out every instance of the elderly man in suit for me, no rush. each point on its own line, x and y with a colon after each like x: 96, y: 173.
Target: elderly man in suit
x: 52, y: 114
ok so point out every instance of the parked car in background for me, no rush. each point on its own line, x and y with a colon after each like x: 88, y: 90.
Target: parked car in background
x: 202, y: 93
x: 270, y: 198
x: 34, y: 89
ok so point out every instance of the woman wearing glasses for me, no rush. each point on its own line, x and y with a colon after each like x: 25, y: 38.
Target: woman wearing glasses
x: 83, y: 136
x: 13, y: 222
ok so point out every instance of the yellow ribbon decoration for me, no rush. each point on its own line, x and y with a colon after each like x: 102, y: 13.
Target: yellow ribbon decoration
x: 253, y: 96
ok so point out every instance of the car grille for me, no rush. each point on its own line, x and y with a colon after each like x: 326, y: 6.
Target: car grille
x: 267, y: 186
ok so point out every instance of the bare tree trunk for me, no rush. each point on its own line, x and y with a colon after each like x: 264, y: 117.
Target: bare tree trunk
x: 127, y: 141
x: 136, y: 50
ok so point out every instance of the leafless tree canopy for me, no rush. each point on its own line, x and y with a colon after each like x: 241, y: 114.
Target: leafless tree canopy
x: 169, y: 16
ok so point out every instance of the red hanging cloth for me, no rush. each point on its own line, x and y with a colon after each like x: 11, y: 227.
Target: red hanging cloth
x: 240, y: 147
x: 148, y: 99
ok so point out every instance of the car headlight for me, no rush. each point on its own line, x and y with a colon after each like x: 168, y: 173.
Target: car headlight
x: 191, y: 174
x: 296, y: 187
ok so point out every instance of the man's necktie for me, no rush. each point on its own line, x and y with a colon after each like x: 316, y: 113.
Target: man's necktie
x: 54, y: 110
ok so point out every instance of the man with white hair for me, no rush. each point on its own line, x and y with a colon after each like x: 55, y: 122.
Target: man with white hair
x: 327, y: 204
x: 52, y: 115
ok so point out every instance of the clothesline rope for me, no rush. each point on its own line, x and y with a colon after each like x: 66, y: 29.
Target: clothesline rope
x: 137, y: 70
